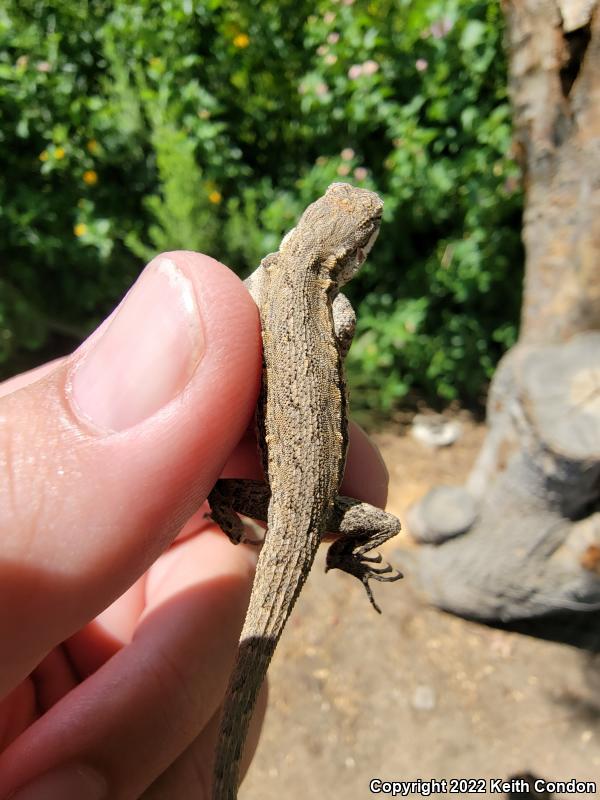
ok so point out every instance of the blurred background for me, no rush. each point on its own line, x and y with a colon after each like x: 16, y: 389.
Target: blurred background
x: 129, y: 128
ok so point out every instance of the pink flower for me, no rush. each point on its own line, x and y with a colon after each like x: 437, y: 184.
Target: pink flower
x: 343, y: 170
x: 322, y: 49
x: 329, y: 17
x: 360, y: 173
x: 321, y: 89
x: 43, y: 66
x: 348, y: 2
x: 302, y: 88
x: 370, y: 67
x: 347, y: 154
x: 355, y: 71
x: 421, y: 64
x: 440, y: 28
x: 333, y: 37
x: 330, y: 59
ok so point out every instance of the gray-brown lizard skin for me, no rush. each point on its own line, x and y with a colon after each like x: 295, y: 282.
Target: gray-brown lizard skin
x: 302, y: 433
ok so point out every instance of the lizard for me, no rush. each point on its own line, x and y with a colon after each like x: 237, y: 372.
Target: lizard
x: 302, y: 431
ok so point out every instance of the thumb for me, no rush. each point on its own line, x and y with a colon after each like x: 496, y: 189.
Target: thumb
x: 106, y: 456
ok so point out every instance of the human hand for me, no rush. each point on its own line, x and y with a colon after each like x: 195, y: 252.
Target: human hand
x: 118, y: 640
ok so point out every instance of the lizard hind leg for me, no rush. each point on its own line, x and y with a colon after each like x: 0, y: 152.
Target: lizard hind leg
x: 362, y: 527
x: 232, y: 496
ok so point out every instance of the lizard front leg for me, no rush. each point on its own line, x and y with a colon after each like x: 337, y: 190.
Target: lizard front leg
x: 362, y: 527
x: 344, y: 322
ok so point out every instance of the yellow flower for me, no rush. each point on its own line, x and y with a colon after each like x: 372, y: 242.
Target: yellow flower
x: 155, y: 62
x: 43, y: 156
x: 80, y: 229
x: 92, y: 146
x: 215, y: 197
x: 59, y: 153
x: 241, y: 40
x: 90, y: 177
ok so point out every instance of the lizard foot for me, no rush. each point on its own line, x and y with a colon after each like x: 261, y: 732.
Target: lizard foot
x: 348, y: 554
x: 233, y: 532
x: 231, y: 497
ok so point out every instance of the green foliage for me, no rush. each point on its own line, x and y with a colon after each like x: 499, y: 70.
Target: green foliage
x: 130, y: 128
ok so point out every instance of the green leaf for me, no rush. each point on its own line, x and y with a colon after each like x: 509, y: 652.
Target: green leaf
x: 473, y: 34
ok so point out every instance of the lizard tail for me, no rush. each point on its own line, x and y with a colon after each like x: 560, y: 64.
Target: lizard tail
x: 244, y: 686
x: 271, y: 602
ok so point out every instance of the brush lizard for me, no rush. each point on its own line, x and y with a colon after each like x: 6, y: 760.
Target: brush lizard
x: 307, y: 326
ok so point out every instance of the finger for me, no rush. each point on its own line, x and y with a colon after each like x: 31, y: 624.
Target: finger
x: 17, y: 710
x: 366, y: 477
x: 191, y: 775
x: 109, y: 453
x: 53, y: 679
x: 30, y: 376
x: 89, y: 648
x: 130, y: 720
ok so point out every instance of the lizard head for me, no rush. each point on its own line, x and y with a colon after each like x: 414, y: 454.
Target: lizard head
x: 347, y: 219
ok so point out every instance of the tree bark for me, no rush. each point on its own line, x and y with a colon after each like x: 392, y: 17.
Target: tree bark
x: 555, y: 86
x: 532, y: 503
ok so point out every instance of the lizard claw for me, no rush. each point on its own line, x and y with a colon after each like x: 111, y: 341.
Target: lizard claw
x: 376, y: 575
x: 346, y: 555
x: 383, y: 571
x: 376, y: 559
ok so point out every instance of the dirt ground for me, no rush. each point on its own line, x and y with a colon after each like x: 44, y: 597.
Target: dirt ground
x: 417, y: 693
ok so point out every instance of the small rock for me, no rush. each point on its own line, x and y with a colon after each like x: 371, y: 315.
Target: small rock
x: 444, y: 512
x: 434, y: 430
x: 423, y: 698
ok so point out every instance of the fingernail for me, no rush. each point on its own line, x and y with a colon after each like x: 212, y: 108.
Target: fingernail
x: 145, y: 356
x: 67, y: 783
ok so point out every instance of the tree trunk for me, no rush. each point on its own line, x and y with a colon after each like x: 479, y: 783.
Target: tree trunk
x: 522, y: 539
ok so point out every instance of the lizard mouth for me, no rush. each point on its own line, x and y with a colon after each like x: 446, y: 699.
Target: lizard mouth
x: 355, y: 260
x: 367, y: 248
